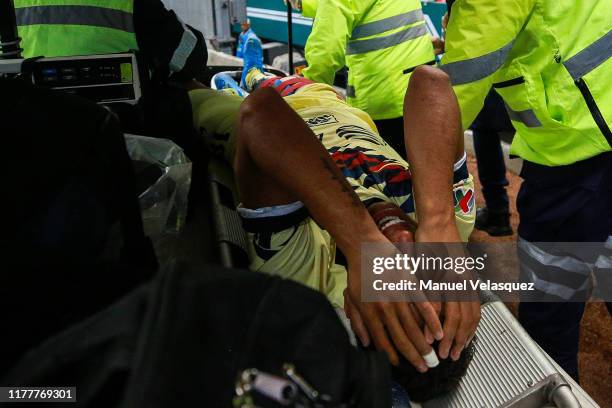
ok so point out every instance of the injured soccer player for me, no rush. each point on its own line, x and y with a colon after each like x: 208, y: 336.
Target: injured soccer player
x: 316, y: 181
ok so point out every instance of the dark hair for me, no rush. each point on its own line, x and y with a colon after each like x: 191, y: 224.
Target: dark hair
x: 436, y: 381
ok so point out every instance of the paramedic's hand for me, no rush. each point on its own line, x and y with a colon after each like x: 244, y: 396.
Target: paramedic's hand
x: 295, y: 4
x: 438, y: 44
x: 460, y: 318
x: 376, y: 321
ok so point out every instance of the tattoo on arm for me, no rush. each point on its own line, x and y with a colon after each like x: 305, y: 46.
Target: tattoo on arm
x: 356, y: 202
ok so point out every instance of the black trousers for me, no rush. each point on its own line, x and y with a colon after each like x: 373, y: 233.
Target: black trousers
x: 566, y: 204
x: 491, y: 120
x: 392, y: 131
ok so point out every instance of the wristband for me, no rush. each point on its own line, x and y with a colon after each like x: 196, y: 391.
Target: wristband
x: 389, y: 221
x: 387, y: 214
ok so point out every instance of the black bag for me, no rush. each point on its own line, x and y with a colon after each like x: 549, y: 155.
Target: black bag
x: 73, y: 239
x: 182, y: 340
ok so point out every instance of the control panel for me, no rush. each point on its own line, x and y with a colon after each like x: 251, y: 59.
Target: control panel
x: 101, y: 78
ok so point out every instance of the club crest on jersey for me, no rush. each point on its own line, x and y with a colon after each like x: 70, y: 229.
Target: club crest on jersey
x: 321, y: 120
x: 464, y: 199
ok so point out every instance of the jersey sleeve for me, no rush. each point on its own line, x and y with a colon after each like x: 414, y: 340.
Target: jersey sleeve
x: 479, y: 38
x: 326, y: 45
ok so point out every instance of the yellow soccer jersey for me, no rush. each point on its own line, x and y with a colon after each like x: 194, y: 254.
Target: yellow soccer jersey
x: 304, y: 252
x: 375, y: 171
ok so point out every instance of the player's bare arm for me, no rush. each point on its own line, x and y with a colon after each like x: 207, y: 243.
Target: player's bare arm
x: 432, y: 123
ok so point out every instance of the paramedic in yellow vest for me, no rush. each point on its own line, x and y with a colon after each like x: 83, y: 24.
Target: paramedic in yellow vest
x: 550, y: 62
x: 54, y: 28
x: 381, y: 42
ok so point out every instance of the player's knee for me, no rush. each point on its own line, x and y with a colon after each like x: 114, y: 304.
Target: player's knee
x: 261, y: 97
x: 255, y: 109
x: 259, y: 103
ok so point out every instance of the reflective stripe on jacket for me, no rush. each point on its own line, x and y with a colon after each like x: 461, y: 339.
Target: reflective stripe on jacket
x: 380, y: 41
x: 75, y: 27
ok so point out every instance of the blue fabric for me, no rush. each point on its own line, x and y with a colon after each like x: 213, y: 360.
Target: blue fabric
x: 224, y: 81
x: 567, y: 203
x: 491, y: 120
x: 399, y: 397
x: 242, y: 38
x: 563, y: 204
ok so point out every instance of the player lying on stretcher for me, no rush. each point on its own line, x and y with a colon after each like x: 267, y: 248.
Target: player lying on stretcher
x: 314, y: 176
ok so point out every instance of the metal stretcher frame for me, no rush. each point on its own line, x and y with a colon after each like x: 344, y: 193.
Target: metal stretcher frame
x: 508, y: 369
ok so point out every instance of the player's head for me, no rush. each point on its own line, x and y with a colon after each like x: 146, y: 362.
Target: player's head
x: 436, y: 381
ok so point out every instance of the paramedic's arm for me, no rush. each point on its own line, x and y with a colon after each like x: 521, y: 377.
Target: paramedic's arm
x: 434, y: 142
x: 170, y: 46
x: 326, y: 45
x: 278, y: 161
x: 479, y: 36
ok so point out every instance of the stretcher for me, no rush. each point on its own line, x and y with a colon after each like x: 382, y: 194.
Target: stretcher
x: 508, y: 369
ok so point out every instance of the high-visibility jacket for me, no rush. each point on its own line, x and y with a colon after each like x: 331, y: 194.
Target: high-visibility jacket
x: 550, y: 62
x: 75, y: 27
x: 380, y: 41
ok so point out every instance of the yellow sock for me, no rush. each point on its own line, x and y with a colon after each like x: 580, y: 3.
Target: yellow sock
x: 230, y: 91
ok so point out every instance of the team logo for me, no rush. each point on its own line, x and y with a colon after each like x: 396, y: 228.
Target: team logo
x: 464, y: 199
x: 321, y: 120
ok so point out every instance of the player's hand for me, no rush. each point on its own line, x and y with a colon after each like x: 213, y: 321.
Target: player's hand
x: 392, y: 326
x: 460, y: 322
x: 460, y: 318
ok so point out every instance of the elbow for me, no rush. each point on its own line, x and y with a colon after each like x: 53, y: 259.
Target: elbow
x: 431, y: 75
x: 427, y: 78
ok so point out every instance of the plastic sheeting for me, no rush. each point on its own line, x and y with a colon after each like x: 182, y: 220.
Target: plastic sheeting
x: 164, y: 173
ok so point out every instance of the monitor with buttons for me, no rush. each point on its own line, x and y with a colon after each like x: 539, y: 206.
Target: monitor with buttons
x: 102, y: 78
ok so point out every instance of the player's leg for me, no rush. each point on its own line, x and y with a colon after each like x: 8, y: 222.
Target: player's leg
x: 255, y: 128
x: 254, y: 76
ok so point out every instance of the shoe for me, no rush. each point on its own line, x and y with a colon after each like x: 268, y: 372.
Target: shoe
x: 223, y: 80
x: 494, y: 223
x: 252, y: 58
